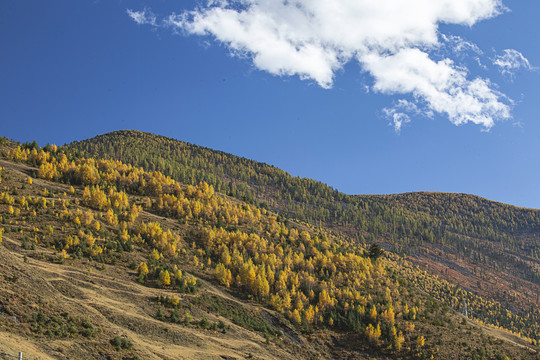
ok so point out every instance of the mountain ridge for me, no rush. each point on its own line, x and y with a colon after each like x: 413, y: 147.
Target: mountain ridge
x: 131, y: 132
x: 244, y: 179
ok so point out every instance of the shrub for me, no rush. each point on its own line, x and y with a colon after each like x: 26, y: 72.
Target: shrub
x: 204, y: 323
x: 160, y: 315
x: 121, y: 343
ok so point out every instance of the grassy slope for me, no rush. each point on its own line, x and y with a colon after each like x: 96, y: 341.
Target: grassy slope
x: 487, y: 247
x: 111, y: 299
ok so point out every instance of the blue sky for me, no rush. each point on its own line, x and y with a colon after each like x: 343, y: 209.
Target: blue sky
x: 365, y: 111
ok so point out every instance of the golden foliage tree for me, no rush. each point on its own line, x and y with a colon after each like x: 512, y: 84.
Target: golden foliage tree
x: 164, y: 278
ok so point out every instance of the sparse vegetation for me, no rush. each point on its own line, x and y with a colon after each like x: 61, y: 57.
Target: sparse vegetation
x: 121, y: 343
x: 59, y: 326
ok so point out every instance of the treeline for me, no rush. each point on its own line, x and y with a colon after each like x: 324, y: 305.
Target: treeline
x: 405, y: 219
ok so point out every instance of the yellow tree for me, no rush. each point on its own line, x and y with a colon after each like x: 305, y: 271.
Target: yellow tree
x: 286, y: 301
x: 143, y: 269
x: 178, y: 275
x: 89, y: 239
x: 373, y: 314
x: 309, y: 314
x: 223, y: 275
x: 276, y: 302
x: 420, y: 341
x: 262, y: 287
x: 88, y: 173
x: 111, y: 217
x: 372, y: 333
x: 388, y: 315
x: 324, y: 299
x: 155, y: 255
x: 164, y: 277
x: 398, y: 341
x: 295, y: 316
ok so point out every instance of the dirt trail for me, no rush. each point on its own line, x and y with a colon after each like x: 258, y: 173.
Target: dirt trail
x: 118, y: 304
x: 505, y: 336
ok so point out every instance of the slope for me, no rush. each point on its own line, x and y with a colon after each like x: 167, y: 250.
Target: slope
x: 484, y: 246
x: 125, y: 263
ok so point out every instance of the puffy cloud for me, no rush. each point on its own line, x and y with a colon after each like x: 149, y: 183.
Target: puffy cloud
x: 510, y: 61
x: 442, y: 87
x: 390, y: 39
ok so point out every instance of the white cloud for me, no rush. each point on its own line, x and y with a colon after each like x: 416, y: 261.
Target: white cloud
x: 390, y: 39
x: 398, y: 113
x: 459, y: 45
x: 511, y: 61
x: 441, y: 86
x: 398, y: 118
x: 145, y: 17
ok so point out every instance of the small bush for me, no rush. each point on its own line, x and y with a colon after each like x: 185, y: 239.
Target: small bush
x: 204, y: 323
x: 160, y: 315
x: 121, y: 343
x: 187, y: 319
x: 175, y: 316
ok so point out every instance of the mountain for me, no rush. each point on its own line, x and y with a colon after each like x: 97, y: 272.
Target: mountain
x: 484, y: 246
x: 103, y: 259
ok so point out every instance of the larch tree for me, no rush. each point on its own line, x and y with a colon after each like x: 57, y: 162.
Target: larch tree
x: 164, y: 278
x: 143, y: 269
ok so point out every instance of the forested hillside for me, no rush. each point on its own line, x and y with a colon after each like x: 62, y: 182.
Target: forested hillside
x: 314, y: 282
x: 197, y: 250
x: 428, y: 216
x: 208, y: 258
x: 458, y: 236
